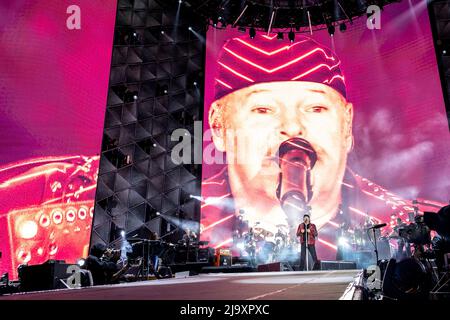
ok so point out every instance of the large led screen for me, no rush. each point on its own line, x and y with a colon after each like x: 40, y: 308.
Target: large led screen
x: 54, y: 65
x: 366, y: 105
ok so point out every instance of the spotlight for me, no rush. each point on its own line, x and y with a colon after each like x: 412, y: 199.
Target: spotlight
x: 190, y: 28
x: 135, y: 97
x: 162, y: 31
x: 343, y: 27
x: 122, y: 233
x: 291, y: 35
x: 280, y: 36
x: 342, y: 241
x: 180, y: 1
x: 158, y: 214
x: 195, y: 83
x: 331, y: 30
x: 81, y: 262
x: 252, y: 33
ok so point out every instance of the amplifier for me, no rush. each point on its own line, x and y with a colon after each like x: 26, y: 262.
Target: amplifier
x: 206, y: 255
x: 44, y: 276
x: 337, y: 265
x: 223, y: 257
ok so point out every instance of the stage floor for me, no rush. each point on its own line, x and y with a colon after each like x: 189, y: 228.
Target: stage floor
x: 313, y: 285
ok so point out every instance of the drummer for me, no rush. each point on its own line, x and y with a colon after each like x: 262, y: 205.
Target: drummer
x: 401, y: 242
x: 265, y: 236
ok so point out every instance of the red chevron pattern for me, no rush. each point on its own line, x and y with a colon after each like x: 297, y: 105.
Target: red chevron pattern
x: 244, y: 61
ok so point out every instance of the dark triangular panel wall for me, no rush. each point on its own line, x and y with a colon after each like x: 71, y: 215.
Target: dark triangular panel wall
x: 439, y: 11
x: 151, y: 92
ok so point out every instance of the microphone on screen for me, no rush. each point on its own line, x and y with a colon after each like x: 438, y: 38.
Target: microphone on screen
x: 296, y: 158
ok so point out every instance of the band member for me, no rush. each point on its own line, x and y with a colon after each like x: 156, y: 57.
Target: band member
x: 404, y: 247
x: 342, y: 236
x: 307, y: 232
x: 190, y: 236
x: 241, y: 226
x: 250, y: 246
x: 102, y: 263
x: 154, y: 236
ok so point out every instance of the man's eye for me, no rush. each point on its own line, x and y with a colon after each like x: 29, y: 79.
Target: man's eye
x: 262, y: 110
x: 318, y: 109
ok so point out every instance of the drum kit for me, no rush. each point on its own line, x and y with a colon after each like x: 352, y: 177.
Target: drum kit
x: 266, y: 246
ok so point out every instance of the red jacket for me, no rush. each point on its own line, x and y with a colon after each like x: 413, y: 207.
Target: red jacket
x: 312, y: 234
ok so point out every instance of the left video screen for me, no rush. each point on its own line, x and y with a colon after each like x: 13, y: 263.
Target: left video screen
x: 54, y: 59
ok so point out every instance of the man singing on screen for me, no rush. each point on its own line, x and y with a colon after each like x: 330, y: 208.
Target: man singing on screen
x: 267, y: 92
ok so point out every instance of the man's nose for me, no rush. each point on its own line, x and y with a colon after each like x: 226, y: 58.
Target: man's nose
x: 291, y: 126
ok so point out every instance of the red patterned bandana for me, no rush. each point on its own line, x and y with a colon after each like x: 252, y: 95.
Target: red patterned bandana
x: 244, y: 62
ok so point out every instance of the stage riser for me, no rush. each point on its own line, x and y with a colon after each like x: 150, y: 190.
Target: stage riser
x: 337, y: 265
x: 227, y: 269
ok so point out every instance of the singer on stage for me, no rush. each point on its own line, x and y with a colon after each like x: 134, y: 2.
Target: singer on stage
x: 270, y: 93
x: 307, y: 233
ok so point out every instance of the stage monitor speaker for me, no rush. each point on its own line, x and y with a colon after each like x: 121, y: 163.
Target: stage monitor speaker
x: 206, y: 255
x: 337, y: 265
x: 228, y: 269
x: 269, y: 267
x: 44, y: 276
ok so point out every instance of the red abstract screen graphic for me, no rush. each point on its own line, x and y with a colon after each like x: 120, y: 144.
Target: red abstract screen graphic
x: 366, y: 106
x: 51, y: 215
x: 53, y: 89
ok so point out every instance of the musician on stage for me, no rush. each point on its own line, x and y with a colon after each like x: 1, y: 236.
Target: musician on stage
x: 401, y: 242
x: 190, y: 236
x: 307, y: 233
x: 250, y: 246
x: 342, y: 233
x: 102, y: 263
x: 241, y: 225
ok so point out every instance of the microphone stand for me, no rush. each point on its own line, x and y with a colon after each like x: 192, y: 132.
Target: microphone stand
x: 306, y: 249
x: 375, y: 244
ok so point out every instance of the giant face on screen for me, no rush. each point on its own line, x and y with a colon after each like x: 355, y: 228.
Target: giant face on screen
x: 367, y: 103
x: 52, y: 103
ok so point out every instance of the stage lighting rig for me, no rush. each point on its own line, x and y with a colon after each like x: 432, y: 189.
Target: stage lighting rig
x: 308, y: 13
